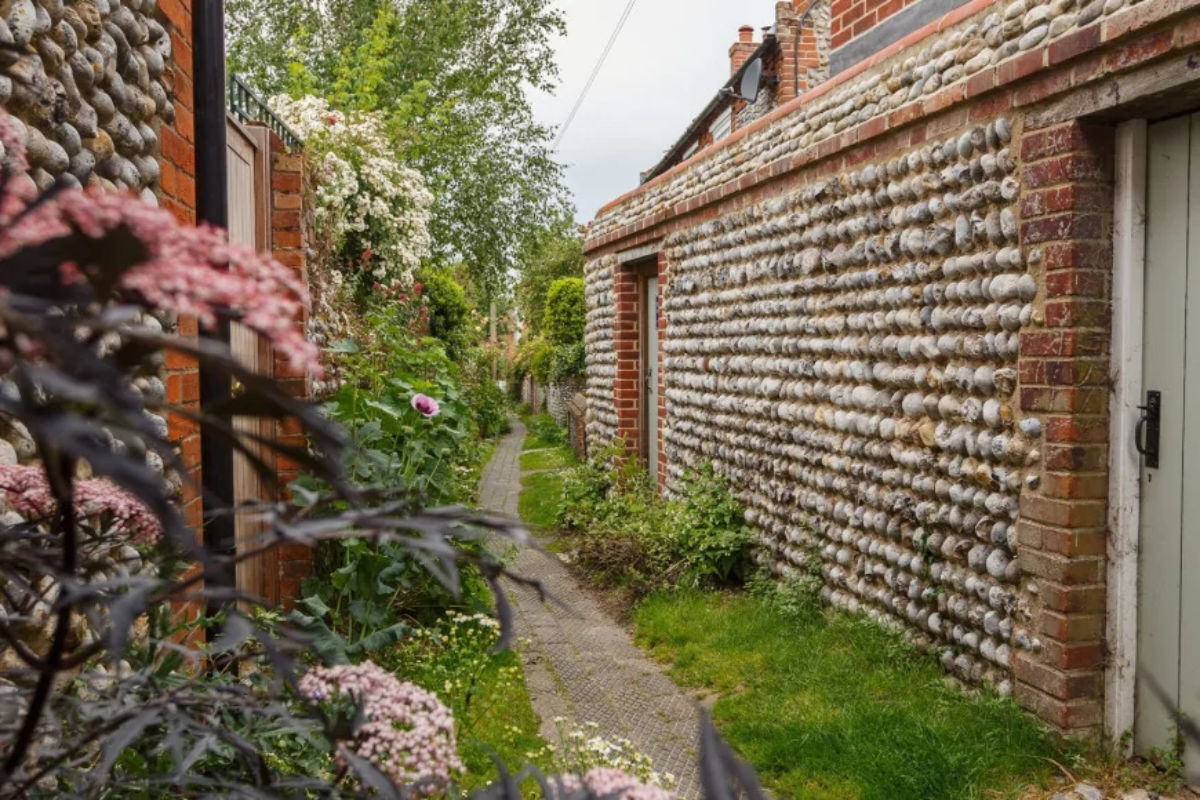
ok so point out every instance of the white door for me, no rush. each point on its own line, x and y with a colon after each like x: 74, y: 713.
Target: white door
x: 650, y: 372
x: 1169, y: 564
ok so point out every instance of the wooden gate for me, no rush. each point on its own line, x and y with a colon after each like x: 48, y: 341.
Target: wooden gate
x: 249, y: 173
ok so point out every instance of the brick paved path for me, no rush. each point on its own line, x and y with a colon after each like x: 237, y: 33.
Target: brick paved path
x: 582, y: 665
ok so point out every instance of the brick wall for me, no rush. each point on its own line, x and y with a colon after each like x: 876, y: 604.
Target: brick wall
x: 996, y: 180
x: 853, y: 18
x: 660, y: 470
x: 292, y: 563
x: 626, y: 390
x: 177, y: 193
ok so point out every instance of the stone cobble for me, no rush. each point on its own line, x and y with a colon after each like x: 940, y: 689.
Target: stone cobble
x: 582, y: 665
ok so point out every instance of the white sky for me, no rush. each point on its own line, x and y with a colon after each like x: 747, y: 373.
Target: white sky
x: 670, y: 60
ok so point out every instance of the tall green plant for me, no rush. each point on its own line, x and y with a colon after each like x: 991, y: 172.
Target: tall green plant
x: 553, y: 252
x: 449, y: 311
x: 566, y: 312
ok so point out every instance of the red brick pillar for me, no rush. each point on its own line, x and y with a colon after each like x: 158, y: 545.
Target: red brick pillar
x: 1066, y: 213
x: 627, y: 343
x: 660, y: 469
x: 177, y: 194
x: 294, y: 561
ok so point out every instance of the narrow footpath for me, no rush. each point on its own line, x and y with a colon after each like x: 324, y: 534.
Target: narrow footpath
x: 581, y: 664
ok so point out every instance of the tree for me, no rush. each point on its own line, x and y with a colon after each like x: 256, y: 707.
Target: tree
x: 566, y: 312
x: 452, y: 77
x: 449, y: 311
x: 553, y: 252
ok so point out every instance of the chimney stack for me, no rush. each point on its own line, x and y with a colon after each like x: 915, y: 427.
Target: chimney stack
x: 742, y: 49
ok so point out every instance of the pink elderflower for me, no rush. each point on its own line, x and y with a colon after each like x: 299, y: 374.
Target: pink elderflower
x: 407, y: 732
x: 187, y: 270
x: 28, y: 493
x: 612, y: 783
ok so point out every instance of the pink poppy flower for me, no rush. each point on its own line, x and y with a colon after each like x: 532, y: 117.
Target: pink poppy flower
x: 426, y: 406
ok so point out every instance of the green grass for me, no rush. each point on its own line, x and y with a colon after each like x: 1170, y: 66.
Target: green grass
x: 543, y: 432
x: 507, y: 727
x: 549, y: 458
x: 540, y: 498
x: 825, y: 705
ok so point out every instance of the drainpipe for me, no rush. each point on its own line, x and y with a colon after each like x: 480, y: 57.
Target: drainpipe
x: 212, y: 207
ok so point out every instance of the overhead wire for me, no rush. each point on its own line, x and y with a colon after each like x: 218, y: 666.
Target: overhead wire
x: 612, y: 40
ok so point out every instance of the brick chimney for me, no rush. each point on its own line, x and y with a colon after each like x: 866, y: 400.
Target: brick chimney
x: 742, y: 49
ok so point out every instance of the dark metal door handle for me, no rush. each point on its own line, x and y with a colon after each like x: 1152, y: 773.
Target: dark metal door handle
x: 1146, y: 434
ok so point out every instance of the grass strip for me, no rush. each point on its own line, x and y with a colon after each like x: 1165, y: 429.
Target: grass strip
x: 826, y: 705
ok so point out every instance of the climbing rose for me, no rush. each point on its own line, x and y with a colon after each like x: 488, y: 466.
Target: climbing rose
x: 28, y: 493
x: 612, y: 784
x: 187, y: 270
x: 426, y: 406
x: 406, y: 731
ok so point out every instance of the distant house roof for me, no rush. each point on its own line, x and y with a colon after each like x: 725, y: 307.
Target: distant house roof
x: 723, y: 97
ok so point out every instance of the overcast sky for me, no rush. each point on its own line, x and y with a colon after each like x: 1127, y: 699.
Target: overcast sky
x: 670, y: 60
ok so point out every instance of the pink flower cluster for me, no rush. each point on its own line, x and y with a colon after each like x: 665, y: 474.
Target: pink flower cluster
x: 407, y: 732
x: 188, y: 270
x: 613, y: 783
x: 28, y: 493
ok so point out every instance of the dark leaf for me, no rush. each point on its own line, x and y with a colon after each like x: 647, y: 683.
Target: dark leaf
x: 124, y: 736
x: 370, y: 775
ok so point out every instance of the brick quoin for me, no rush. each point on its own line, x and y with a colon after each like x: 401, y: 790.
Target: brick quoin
x: 291, y: 563
x: 177, y: 194
x: 1065, y: 210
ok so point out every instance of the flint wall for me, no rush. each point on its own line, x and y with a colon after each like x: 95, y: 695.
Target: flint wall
x: 886, y: 320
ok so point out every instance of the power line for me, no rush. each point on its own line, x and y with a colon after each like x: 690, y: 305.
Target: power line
x: 612, y: 40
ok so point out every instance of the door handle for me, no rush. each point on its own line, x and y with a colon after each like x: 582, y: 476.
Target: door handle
x: 1146, y: 434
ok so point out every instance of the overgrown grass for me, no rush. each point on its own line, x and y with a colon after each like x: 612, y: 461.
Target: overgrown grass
x: 543, y: 432
x: 548, y: 458
x: 540, y: 499
x: 507, y: 729
x: 826, y: 705
x: 487, y: 449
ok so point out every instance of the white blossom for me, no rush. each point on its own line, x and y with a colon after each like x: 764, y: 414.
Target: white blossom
x: 362, y: 186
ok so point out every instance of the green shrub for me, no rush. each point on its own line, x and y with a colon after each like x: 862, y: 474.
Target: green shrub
x: 541, y: 360
x: 568, y: 360
x: 708, y: 531
x: 626, y: 535
x: 449, y: 311
x: 566, y: 312
x: 546, y: 432
x: 362, y: 592
x: 484, y: 396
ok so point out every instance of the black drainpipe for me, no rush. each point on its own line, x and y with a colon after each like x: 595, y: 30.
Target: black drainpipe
x: 212, y: 206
